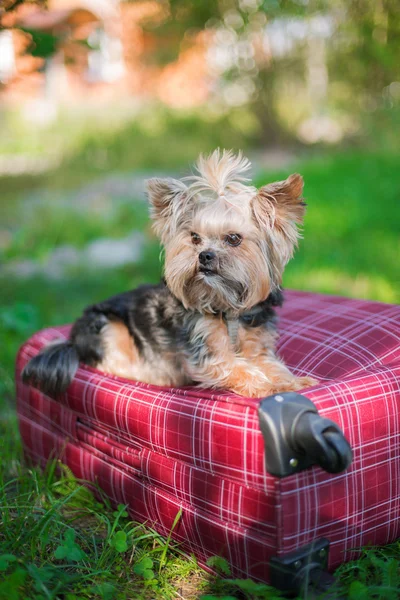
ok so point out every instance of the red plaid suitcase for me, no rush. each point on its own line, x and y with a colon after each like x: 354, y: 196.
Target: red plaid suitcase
x: 163, y: 450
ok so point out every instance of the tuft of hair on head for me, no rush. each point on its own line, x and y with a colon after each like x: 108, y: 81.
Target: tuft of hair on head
x: 221, y: 177
x: 222, y: 173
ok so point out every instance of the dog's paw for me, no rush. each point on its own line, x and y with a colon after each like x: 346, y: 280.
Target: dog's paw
x: 261, y: 387
x: 301, y: 383
x: 294, y: 385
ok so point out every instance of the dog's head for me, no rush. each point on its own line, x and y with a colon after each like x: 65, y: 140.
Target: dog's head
x: 226, y: 243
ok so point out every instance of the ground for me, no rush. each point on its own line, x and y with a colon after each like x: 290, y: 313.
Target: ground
x: 73, y: 237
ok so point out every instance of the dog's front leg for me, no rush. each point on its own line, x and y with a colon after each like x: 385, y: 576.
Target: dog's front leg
x: 258, y: 346
x: 233, y: 374
x: 281, y: 378
x: 213, y: 362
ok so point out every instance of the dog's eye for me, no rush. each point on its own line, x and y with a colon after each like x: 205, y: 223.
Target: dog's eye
x: 196, y: 239
x: 233, y: 239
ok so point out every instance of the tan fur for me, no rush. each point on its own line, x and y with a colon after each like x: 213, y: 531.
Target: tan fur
x: 121, y: 358
x: 258, y: 348
x: 120, y: 354
x: 251, y: 369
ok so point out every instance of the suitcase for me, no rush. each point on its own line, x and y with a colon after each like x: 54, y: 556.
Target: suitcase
x: 248, y: 491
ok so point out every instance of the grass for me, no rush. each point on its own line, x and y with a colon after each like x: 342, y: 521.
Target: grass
x: 88, y: 146
x: 59, y: 542
x: 56, y: 540
x: 351, y: 234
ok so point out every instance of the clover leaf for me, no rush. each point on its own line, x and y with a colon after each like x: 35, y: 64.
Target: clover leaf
x: 69, y: 549
x: 119, y: 541
x: 144, y: 568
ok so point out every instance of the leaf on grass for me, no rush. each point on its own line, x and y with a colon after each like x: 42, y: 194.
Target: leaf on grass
x: 145, y: 563
x: 377, y: 562
x: 69, y: 549
x: 120, y: 512
x: 148, y: 574
x: 391, y: 576
x: 105, y: 590
x: 358, y: 591
x: 5, y: 560
x: 75, y: 554
x: 119, y: 541
x: 60, y: 553
x: 10, y: 585
x: 144, y: 568
x: 45, y: 576
x: 220, y: 564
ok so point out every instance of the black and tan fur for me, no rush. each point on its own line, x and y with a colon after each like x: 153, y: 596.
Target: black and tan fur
x: 212, y: 321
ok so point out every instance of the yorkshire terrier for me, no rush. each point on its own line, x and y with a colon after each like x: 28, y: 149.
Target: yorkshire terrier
x: 211, y: 322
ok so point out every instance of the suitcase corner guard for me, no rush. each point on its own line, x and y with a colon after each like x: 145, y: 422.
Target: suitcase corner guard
x: 305, y: 572
x: 297, y: 437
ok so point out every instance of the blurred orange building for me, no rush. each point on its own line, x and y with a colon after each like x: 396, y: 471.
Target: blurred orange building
x: 102, y: 50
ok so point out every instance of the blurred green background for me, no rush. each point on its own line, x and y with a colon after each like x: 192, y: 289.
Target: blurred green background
x: 97, y: 96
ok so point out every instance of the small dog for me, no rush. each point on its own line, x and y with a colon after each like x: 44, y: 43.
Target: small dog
x: 211, y: 322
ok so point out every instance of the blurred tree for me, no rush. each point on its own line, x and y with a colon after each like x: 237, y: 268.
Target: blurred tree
x: 42, y: 44
x: 8, y: 7
x: 356, y: 58
x: 365, y: 53
x: 246, y: 69
x: 362, y: 51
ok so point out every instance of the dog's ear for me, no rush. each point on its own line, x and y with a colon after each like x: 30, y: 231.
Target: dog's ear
x: 166, y: 197
x: 279, y: 208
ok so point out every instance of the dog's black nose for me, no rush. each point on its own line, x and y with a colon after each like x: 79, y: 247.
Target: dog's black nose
x: 206, y: 257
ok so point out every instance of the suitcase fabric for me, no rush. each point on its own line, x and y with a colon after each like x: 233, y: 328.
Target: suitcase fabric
x: 159, y: 450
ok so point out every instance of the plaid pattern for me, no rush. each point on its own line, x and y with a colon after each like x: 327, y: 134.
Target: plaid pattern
x: 159, y: 449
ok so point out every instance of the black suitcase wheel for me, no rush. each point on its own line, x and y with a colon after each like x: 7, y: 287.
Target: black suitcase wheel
x: 341, y: 450
x: 296, y: 436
